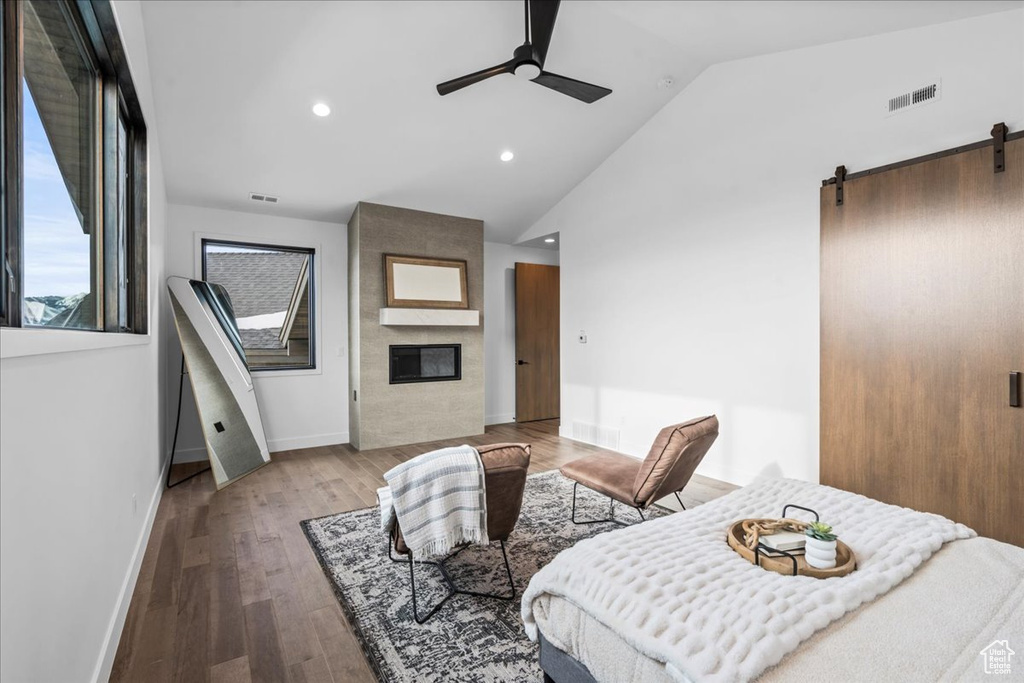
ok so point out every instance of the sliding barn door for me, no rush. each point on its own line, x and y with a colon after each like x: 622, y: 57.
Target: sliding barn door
x: 922, y: 322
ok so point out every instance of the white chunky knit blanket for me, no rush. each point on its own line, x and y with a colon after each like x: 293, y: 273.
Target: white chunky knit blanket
x: 674, y: 590
x: 438, y: 499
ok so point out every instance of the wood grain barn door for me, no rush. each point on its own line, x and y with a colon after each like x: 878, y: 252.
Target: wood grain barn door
x: 922, y: 322
x: 537, y: 351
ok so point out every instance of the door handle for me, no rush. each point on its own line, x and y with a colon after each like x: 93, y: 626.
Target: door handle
x: 522, y: 362
x: 1015, y: 389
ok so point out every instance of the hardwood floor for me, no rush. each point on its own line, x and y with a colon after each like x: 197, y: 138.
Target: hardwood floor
x: 229, y: 589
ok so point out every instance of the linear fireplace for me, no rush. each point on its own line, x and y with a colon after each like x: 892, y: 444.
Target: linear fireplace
x: 425, y: 363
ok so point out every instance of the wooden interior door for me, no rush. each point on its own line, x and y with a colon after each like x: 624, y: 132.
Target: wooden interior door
x: 922, y: 320
x: 537, y: 351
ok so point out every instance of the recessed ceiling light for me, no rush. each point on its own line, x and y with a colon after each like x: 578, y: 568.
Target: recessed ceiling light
x: 550, y: 240
x: 507, y: 155
x: 321, y: 109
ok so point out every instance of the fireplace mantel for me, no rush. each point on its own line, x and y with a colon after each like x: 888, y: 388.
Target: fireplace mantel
x: 430, y: 317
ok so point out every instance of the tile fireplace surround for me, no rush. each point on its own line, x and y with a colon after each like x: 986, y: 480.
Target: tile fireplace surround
x: 382, y: 414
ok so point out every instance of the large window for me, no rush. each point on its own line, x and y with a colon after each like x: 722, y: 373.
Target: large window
x: 271, y: 290
x: 74, y: 160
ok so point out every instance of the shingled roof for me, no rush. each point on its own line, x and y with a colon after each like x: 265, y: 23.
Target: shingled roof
x: 259, y: 283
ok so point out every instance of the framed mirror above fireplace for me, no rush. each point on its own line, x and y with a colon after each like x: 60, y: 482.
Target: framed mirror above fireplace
x: 418, y: 282
x: 425, y: 363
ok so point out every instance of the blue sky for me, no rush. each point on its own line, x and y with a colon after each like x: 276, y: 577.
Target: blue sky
x: 56, y: 248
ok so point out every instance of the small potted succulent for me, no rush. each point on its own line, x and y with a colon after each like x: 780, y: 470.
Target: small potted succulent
x: 820, y: 549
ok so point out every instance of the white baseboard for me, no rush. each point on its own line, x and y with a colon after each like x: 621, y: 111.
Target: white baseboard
x: 190, y: 455
x: 276, y: 445
x: 296, y: 442
x: 499, y: 419
x: 105, y: 663
x: 565, y: 431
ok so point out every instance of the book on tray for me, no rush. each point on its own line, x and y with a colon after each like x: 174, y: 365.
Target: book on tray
x: 785, y: 540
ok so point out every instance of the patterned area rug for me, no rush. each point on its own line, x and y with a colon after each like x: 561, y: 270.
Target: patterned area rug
x: 469, y: 639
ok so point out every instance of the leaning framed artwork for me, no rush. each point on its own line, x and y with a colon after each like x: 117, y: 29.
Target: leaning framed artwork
x: 419, y: 282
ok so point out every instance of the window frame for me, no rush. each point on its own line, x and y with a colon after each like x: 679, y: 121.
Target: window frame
x: 312, y: 367
x: 117, y: 98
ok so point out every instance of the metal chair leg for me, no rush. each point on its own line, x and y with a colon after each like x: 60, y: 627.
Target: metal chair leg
x: 458, y: 591
x: 508, y: 571
x: 415, y: 612
x: 452, y: 588
x: 611, y: 512
x: 392, y: 537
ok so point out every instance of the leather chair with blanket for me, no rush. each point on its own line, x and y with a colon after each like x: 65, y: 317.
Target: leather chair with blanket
x: 505, y: 468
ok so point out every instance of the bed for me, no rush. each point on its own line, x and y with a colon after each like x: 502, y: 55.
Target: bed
x: 951, y: 597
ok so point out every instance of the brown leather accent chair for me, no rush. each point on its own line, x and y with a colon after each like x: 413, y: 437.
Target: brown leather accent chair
x: 505, y: 468
x: 670, y: 463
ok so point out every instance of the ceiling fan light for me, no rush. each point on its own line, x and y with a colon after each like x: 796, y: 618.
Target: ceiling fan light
x: 527, y: 70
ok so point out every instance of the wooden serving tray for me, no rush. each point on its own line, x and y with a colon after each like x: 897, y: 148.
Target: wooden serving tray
x: 781, y: 564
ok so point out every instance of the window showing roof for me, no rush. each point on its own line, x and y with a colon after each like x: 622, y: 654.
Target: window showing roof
x: 259, y: 282
x: 270, y: 292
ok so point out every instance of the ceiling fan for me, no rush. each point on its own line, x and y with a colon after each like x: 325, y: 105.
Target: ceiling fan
x: 528, y: 59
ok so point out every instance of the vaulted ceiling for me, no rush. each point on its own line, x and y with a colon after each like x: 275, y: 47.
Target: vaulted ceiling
x: 234, y: 84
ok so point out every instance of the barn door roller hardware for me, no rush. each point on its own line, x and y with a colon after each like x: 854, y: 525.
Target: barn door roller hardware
x: 1000, y: 136
x: 837, y: 180
x: 998, y: 143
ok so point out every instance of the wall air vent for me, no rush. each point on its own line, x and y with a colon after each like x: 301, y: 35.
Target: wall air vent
x: 599, y: 436
x: 914, y: 98
x: 258, y: 197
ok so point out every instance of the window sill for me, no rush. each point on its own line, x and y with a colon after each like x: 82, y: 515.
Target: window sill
x: 259, y: 376
x: 18, y: 342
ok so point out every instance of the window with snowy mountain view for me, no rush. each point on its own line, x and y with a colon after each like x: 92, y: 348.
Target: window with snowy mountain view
x: 60, y: 174
x: 74, y: 243
x: 271, y: 290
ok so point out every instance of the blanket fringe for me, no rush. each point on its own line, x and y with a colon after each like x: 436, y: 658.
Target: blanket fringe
x: 458, y: 536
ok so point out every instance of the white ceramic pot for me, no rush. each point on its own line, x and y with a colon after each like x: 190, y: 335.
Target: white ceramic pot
x: 820, y: 554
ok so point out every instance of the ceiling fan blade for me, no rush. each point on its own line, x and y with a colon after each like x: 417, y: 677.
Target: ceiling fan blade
x: 584, y: 92
x: 475, y: 77
x: 542, y: 25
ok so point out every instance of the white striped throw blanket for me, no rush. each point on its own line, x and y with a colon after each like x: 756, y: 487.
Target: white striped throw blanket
x: 438, y: 499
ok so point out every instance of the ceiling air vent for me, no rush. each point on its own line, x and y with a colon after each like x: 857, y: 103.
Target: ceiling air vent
x: 257, y: 197
x: 914, y: 98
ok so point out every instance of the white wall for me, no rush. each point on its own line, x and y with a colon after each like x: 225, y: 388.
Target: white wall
x: 81, y: 434
x: 302, y: 408
x: 500, y: 325
x: 690, y: 256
